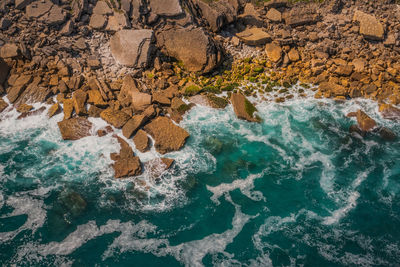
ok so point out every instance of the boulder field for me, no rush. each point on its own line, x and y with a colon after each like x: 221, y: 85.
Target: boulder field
x: 140, y: 65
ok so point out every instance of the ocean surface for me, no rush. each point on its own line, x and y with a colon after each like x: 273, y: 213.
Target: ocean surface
x: 295, y: 190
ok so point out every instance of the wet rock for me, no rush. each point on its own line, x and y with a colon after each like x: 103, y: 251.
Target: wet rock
x: 35, y: 93
x: 169, y: 8
x: 370, y: 27
x: 23, y: 108
x: 54, y: 110
x: 18, y: 87
x: 274, y: 52
x: 365, y: 123
x: 9, y: 50
x: 168, y: 136
x: 3, y: 105
x: 75, y: 128
x: 104, y: 131
x: 79, y: 98
x: 116, y: 118
x: 243, y: 108
x: 68, y: 107
x: 126, y: 167
x: 333, y: 88
x: 31, y: 113
x: 142, y: 141
x: 94, y: 111
x: 156, y: 167
x: 254, y: 36
x: 193, y: 47
x: 132, y: 48
x: 131, y: 127
x: 389, y: 112
x: 387, y: 134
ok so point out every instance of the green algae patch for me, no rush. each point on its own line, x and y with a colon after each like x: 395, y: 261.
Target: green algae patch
x: 192, y: 90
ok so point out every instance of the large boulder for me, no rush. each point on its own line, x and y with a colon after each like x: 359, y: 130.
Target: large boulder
x: 216, y: 13
x: 132, y: 48
x: 243, y: 108
x: 35, y: 92
x: 126, y: 164
x: 75, y: 128
x: 9, y: 50
x: 168, y: 136
x: 193, y: 47
x: 365, y: 122
x: 13, y: 92
x: 142, y: 141
x: 116, y: 118
x: 274, y: 52
x: 169, y: 8
x: 370, y: 27
x: 130, y: 94
x: 133, y: 125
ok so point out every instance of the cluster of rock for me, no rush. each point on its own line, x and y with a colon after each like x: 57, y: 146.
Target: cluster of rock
x: 131, y: 62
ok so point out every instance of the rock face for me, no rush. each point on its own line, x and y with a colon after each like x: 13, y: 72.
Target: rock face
x: 168, y: 136
x: 193, y: 47
x: 169, y: 8
x: 75, y: 128
x: 132, y: 48
x: 254, y: 36
x: 370, y: 27
x: 116, y: 118
x: 243, y: 108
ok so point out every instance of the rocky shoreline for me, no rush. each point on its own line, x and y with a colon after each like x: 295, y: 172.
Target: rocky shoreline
x: 141, y: 64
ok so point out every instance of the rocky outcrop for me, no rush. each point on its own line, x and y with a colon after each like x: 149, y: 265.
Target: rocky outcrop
x: 132, y: 48
x: 54, y: 110
x: 116, y: 118
x: 389, y: 112
x: 243, y: 108
x: 14, y: 91
x: 370, y: 27
x: 193, y: 47
x: 79, y: 98
x: 168, y: 136
x: 75, y: 128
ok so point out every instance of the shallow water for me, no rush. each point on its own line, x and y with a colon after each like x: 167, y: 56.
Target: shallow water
x: 297, y: 189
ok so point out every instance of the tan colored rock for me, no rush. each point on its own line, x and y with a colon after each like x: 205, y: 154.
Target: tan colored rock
x: 9, y: 50
x: 389, y: 112
x: 243, y: 108
x: 54, y: 110
x: 140, y: 101
x: 370, y: 27
x: 79, y: 98
x: 333, y: 88
x: 3, y: 105
x: 68, y: 107
x: 294, y: 55
x: 31, y: 113
x: 274, y: 52
x: 98, y: 21
x: 95, y: 98
x: 254, y: 36
x: 131, y: 127
x: 14, y: 91
x: 75, y: 128
x: 23, y: 108
x: 116, y: 118
x: 142, y: 141
x: 161, y: 98
x: 94, y: 111
x: 274, y: 15
x: 359, y: 64
x: 126, y: 167
x: 168, y: 136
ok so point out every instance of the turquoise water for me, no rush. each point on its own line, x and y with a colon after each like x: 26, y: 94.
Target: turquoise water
x: 297, y: 189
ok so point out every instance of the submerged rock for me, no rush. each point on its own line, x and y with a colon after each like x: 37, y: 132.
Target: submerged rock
x: 73, y: 201
x: 243, y: 108
x: 168, y: 136
x: 75, y: 128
